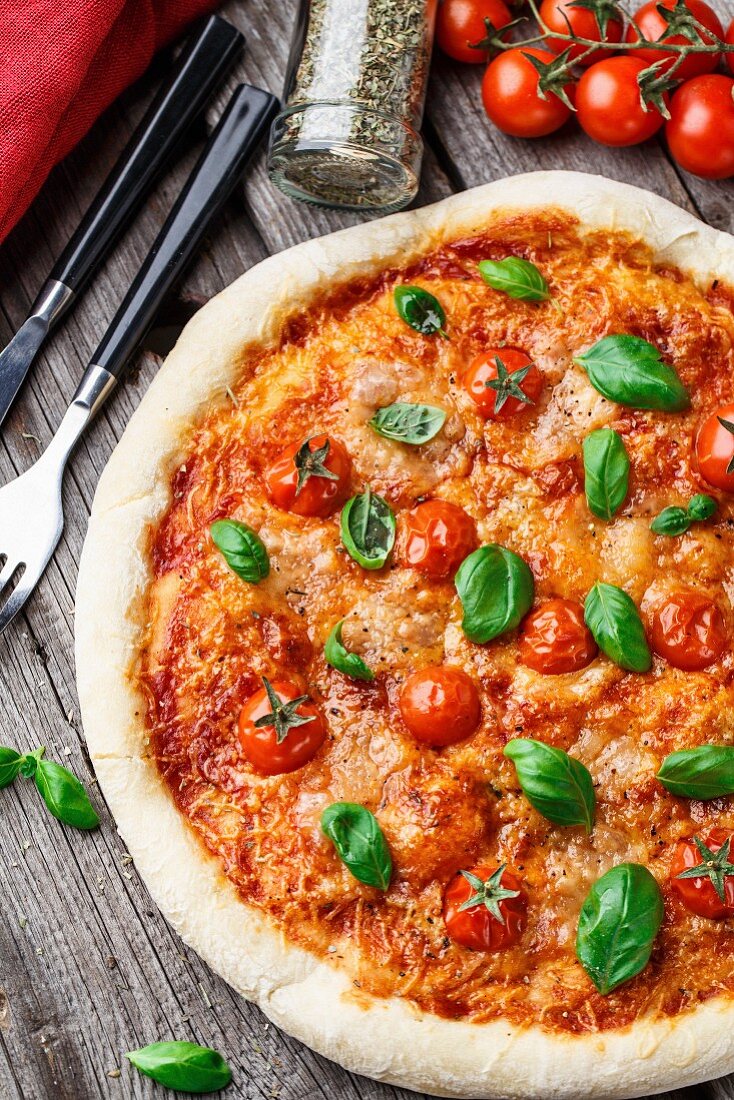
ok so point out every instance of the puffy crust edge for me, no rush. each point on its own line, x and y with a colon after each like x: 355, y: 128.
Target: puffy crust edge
x: 388, y: 1039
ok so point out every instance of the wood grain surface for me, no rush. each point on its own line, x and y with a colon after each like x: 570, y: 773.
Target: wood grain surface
x: 88, y: 967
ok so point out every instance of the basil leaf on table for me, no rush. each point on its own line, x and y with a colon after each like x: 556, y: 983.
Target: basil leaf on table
x: 359, y: 842
x: 618, y: 923
x: 703, y: 772
x: 242, y: 549
x: 557, y: 785
x: 368, y: 529
x: 606, y: 472
x: 336, y: 655
x: 496, y: 590
x: 420, y: 309
x: 630, y: 371
x: 676, y: 521
x: 407, y: 423
x: 614, y: 621
x: 186, y: 1067
x: 518, y: 278
x: 10, y: 762
x: 64, y: 795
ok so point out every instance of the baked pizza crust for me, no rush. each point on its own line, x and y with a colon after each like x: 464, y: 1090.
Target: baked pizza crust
x: 388, y: 1039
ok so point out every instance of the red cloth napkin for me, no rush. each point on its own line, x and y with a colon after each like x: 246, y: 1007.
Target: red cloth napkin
x: 62, y: 62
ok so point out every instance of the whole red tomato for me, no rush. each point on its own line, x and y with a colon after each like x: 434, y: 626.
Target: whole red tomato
x: 714, y: 449
x: 460, y: 23
x: 554, y: 638
x: 654, y: 27
x: 688, y: 630
x: 699, y: 893
x: 498, y: 400
x: 608, y: 103
x: 497, y: 917
x: 291, y: 739
x: 440, y: 705
x: 560, y: 15
x: 511, y: 99
x: 310, y: 478
x: 435, y: 537
x: 729, y: 39
x: 700, y: 131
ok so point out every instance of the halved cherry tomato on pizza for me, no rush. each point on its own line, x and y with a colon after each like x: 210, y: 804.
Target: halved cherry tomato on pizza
x: 654, y: 27
x: 700, y: 130
x: 435, y: 537
x: 566, y: 16
x: 688, y: 630
x: 280, y: 729
x: 554, y: 638
x: 440, y: 705
x: 511, y: 98
x: 714, y: 449
x: 502, y: 382
x: 495, y: 916
x: 310, y: 478
x: 461, y: 23
x: 608, y: 103
x: 710, y: 892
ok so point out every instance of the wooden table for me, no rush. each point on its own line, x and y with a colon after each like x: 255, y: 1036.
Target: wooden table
x: 88, y: 967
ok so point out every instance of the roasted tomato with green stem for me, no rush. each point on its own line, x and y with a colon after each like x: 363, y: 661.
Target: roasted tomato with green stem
x: 688, y: 630
x: 654, y: 21
x: 702, y: 875
x: 714, y: 449
x: 700, y: 130
x: 608, y: 104
x: 435, y: 537
x: 569, y: 17
x: 310, y: 478
x: 513, y: 98
x: 462, y: 24
x: 502, y: 382
x: 279, y: 728
x: 440, y: 705
x: 485, y: 908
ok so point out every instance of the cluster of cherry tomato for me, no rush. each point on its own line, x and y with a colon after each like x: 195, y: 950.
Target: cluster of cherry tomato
x: 602, y: 87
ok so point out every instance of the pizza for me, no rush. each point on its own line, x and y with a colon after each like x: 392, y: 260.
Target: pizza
x: 404, y: 642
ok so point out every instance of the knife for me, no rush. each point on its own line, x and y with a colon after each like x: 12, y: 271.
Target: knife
x: 200, y: 67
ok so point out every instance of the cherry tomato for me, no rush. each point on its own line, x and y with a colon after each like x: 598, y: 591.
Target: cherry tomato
x: 730, y: 42
x: 699, y: 894
x: 555, y: 639
x: 608, y: 103
x: 714, y: 449
x: 435, y: 537
x: 459, y: 23
x: 510, y: 95
x: 260, y: 743
x: 653, y: 27
x: 688, y: 630
x: 700, y: 131
x: 476, y: 927
x: 319, y: 494
x: 440, y: 705
x: 484, y: 370
x: 559, y: 14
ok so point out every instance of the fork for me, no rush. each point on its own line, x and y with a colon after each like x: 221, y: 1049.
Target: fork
x: 31, y: 511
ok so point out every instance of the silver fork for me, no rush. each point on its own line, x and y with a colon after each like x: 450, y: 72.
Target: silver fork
x: 31, y: 513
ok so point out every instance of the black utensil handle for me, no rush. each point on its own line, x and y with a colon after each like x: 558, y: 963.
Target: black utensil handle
x: 198, y: 70
x: 244, y: 122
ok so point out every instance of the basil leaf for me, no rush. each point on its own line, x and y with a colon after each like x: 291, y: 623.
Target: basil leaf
x: 615, y: 622
x: 10, y: 762
x: 351, y: 664
x: 704, y: 772
x: 368, y: 529
x: 359, y: 842
x: 629, y: 370
x: 516, y: 277
x: 242, y: 549
x: 405, y: 423
x: 618, y: 924
x: 701, y: 507
x: 420, y: 309
x: 557, y: 785
x: 676, y: 521
x: 187, y: 1067
x: 496, y: 590
x: 606, y: 472
x: 64, y: 796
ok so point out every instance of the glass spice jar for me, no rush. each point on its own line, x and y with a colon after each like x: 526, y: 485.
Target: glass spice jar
x: 354, y: 95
